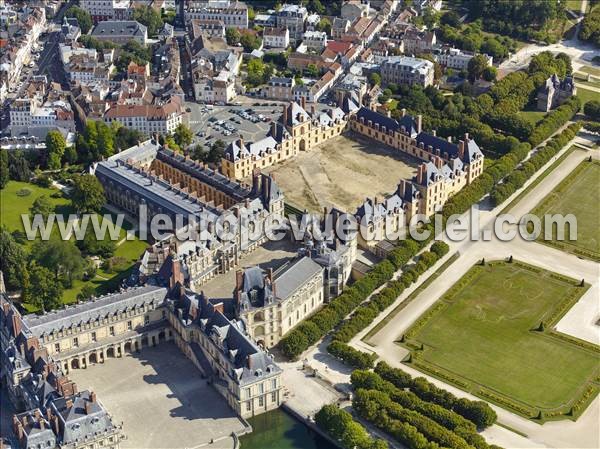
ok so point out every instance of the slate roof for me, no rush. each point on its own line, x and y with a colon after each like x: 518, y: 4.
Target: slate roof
x: 37, y: 431
x: 203, y: 174
x: 94, y: 309
x: 81, y: 416
x: 438, y: 143
x: 294, y: 276
x: 408, y: 122
x: 119, y: 28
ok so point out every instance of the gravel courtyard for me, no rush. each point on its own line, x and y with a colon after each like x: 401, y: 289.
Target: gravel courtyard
x: 161, y: 399
x: 342, y: 172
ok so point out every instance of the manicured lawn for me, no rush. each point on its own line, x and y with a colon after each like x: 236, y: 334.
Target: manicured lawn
x: 481, y: 334
x: 578, y: 194
x: 586, y: 95
x: 532, y: 116
x: 13, y: 205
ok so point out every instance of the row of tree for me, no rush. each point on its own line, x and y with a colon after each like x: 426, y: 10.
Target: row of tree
x: 553, y: 121
x: 367, y: 312
x: 518, y: 177
x: 590, y: 26
x: 342, y: 428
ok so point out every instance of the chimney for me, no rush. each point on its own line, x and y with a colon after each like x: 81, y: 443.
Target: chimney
x: 88, y: 408
x: 239, y: 279
x: 16, y: 324
x: 42, y: 423
x: 49, y: 414
x: 69, y: 403
x: 285, y: 114
x: 241, y: 141
x: 177, y: 275
x: 37, y: 414
x: 421, y: 173
x: 388, y: 113
x: 449, y: 139
x: 438, y: 161
x: 419, y: 123
x: 434, y: 132
x: 403, y: 112
x: 56, y: 425
x: 17, y: 427
x: 461, y: 149
x: 466, y: 137
x: 93, y: 396
x: 303, y: 102
x: 313, y: 110
x: 273, y: 128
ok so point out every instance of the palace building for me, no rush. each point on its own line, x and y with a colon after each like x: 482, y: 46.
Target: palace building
x: 296, y: 130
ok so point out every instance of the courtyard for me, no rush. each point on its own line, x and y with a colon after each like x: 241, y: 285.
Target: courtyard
x: 577, y: 194
x: 342, y: 172
x: 488, y: 324
x: 161, y: 399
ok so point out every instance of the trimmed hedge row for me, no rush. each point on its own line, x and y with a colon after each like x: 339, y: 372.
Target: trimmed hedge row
x: 366, y: 313
x: 554, y: 120
x: 518, y: 177
x: 370, y: 403
x: 478, y: 412
x: 342, y: 428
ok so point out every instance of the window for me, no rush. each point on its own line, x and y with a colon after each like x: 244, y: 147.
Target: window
x: 93, y: 336
x: 273, y: 384
x: 56, y: 347
x: 248, y: 406
x: 129, y: 326
x: 274, y: 397
x: 146, y: 320
x: 261, y: 388
x: 261, y: 401
x: 76, y: 342
x: 111, y: 330
x: 248, y: 393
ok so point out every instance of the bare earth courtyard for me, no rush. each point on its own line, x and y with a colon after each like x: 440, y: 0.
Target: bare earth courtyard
x: 161, y: 399
x: 342, y: 172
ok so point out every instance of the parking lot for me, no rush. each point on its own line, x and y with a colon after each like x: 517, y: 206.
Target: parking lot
x: 208, y: 122
x: 161, y: 399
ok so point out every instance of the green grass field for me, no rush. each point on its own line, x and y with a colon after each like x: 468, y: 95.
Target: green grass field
x: 589, y: 69
x: 586, y: 95
x: 481, y: 335
x: 12, y: 206
x: 579, y: 195
x: 532, y: 116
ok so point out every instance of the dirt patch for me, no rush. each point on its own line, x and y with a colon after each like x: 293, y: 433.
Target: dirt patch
x: 342, y: 172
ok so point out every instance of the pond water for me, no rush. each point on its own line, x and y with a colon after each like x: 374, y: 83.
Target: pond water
x: 278, y: 430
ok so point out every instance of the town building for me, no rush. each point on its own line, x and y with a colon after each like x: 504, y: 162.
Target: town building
x: 315, y: 40
x: 276, y: 37
x: 354, y: 9
x: 339, y: 27
x: 102, y: 10
x: 149, y: 119
x: 416, y: 41
x: 231, y: 13
x: 455, y: 58
x: 121, y: 31
x: 208, y: 27
x: 407, y: 70
x: 279, y: 88
x: 292, y: 17
x: 555, y: 92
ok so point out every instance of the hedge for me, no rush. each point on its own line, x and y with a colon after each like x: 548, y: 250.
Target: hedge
x: 479, y: 412
x: 518, y: 177
x: 554, y: 120
x: 342, y: 428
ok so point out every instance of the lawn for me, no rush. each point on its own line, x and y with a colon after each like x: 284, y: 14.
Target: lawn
x: 481, y: 335
x: 12, y: 205
x: 532, y: 116
x: 577, y: 194
x: 586, y: 95
x: 587, y: 69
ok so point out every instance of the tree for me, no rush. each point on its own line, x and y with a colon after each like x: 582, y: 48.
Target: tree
x: 88, y: 194
x: 86, y: 293
x: 44, y: 291
x: 148, y: 16
x: 592, y: 109
x: 18, y: 167
x: 125, y: 137
x: 430, y: 17
x: 476, y: 66
x: 324, y: 25
x: 232, y: 35
x: 198, y: 152
x: 92, y: 246
x: 183, y: 135
x: 375, y: 79
x: 217, y: 151
x: 316, y: 6
x: 250, y: 41
x: 312, y: 70
x: 55, y: 148
x: 12, y: 260
x: 256, y: 72
x: 4, y: 174
x: 83, y: 18
x: 490, y: 73
x: 450, y: 18
x: 62, y: 257
x: 42, y: 206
